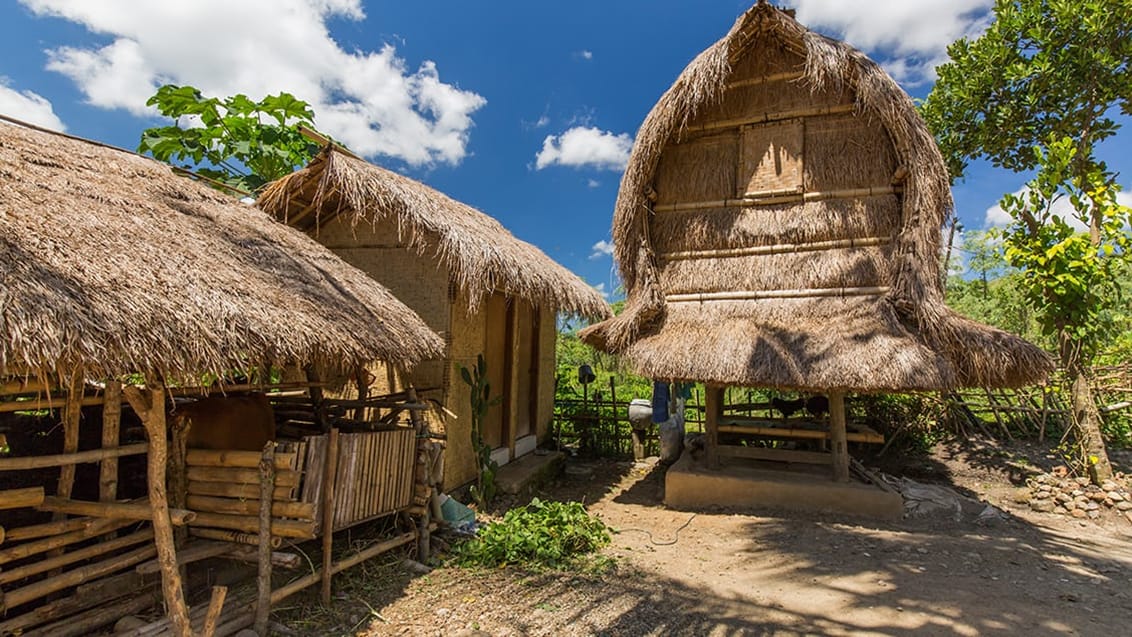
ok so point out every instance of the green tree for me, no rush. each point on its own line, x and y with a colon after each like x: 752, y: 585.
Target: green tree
x: 234, y: 140
x: 1039, y: 90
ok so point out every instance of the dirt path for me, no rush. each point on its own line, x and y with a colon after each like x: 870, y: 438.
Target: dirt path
x: 727, y: 573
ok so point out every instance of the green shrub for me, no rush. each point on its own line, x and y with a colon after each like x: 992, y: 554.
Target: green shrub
x: 540, y: 535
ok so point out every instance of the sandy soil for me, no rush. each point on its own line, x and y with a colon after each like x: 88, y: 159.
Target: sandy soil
x: 753, y: 573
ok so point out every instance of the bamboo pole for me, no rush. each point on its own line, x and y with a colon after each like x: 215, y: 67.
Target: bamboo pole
x: 115, y: 510
x: 149, y: 404
x: 35, y: 547
x: 88, y: 622
x: 776, y: 197
x: 330, y: 464
x: 70, y: 578
x: 839, y: 447
x: 754, y: 295
x: 234, y: 536
x: 70, y: 459
x: 215, y: 606
x: 240, y: 475
x: 250, y: 524
x: 100, y: 548
x: 367, y: 553
x: 780, y: 248
x: 26, y: 497
x: 85, y: 596
x: 783, y: 76
x: 767, y: 118
x: 111, y: 438
x: 227, y: 490
x: 232, y: 506
x: 234, y: 459
x: 263, y: 578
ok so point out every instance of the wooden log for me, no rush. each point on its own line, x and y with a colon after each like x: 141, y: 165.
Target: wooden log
x: 330, y: 464
x: 215, y: 606
x: 111, y: 437
x: 26, y: 497
x: 250, y: 524
x: 71, y: 459
x: 96, y: 593
x: 278, y: 558
x: 70, y: 557
x: 42, y: 588
x: 233, y: 458
x: 176, y: 473
x: 149, y: 404
x: 89, y: 622
x: 234, y: 536
x: 713, y: 404
x: 72, y: 411
x: 113, y: 510
x: 263, y: 577
x: 26, y: 549
x: 839, y: 446
x: 233, y: 506
x: 190, y: 553
x: 244, y: 491
x: 239, y: 475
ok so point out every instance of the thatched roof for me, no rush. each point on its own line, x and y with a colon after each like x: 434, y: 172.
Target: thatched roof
x: 110, y: 263
x: 779, y: 224
x: 481, y: 255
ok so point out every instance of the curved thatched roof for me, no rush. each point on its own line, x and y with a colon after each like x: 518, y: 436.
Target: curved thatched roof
x: 110, y: 263
x: 480, y: 253
x: 779, y: 224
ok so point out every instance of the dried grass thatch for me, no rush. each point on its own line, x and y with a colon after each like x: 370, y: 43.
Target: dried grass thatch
x: 779, y: 224
x: 110, y: 263
x: 482, y: 256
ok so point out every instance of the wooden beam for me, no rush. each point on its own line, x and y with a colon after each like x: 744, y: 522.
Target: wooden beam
x: 777, y: 455
x: 263, y: 577
x: 766, y: 118
x: 774, y: 197
x: 837, y: 436
x: 111, y: 438
x: 754, y: 295
x: 713, y: 406
x: 71, y: 459
x: 782, y: 248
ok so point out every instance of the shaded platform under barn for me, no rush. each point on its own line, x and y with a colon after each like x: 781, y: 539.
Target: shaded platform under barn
x: 750, y: 483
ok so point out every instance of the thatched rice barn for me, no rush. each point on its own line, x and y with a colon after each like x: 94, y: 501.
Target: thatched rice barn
x: 470, y: 279
x: 779, y: 225
x: 113, y: 268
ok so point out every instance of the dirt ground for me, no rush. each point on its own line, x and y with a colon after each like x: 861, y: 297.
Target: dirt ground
x: 1005, y: 570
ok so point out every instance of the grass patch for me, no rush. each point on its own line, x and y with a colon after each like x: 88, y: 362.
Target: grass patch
x: 539, y: 536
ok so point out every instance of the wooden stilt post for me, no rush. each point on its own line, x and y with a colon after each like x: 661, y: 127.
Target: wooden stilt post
x: 424, y: 534
x: 263, y: 580
x: 177, y: 473
x: 329, y: 485
x: 713, y: 408
x: 72, y: 411
x: 111, y: 437
x: 837, y: 436
x: 149, y: 404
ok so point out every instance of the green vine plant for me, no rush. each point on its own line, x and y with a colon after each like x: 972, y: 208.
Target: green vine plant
x: 483, y: 492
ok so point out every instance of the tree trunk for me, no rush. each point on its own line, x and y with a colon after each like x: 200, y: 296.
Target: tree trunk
x: 1087, y: 420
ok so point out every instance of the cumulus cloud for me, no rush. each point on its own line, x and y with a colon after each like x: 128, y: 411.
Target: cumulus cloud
x: 997, y: 217
x: 586, y: 54
x: 370, y: 100
x: 909, y: 38
x: 28, y: 106
x: 583, y: 146
x: 601, y: 249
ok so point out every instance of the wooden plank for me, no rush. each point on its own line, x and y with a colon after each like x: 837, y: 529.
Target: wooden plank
x: 837, y: 436
x: 764, y: 427
x: 233, y: 458
x: 777, y: 455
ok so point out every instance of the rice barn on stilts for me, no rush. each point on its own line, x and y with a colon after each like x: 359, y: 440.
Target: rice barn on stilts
x: 779, y: 226
x: 483, y: 289
x: 125, y: 286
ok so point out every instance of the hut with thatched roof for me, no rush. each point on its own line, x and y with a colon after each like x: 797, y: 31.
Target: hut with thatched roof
x: 779, y: 225
x: 114, y: 268
x: 470, y: 279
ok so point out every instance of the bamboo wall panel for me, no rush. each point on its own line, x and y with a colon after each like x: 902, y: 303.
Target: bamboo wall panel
x: 374, y: 477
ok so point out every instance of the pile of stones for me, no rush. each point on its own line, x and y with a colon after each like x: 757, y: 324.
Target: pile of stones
x: 1077, y: 497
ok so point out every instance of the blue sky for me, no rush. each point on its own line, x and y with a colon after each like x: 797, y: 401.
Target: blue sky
x: 525, y: 110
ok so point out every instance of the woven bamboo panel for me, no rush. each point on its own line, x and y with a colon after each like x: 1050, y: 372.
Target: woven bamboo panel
x: 770, y: 158
x: 375, y: 474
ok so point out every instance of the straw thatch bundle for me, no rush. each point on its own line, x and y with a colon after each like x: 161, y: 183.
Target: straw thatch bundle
x: 110, y: 263
x: 779, y: 224
x: 481, y: 255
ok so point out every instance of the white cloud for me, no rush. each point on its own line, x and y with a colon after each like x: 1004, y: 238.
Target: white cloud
x: 586, y: 54
x: 370, y: 100
x: 28, y: 106
x: 600, y: 287
x: 601, y: 249
x: 911, y: 38
x: 585, y: 146
x: 997, y: 217
x: 593, y: 183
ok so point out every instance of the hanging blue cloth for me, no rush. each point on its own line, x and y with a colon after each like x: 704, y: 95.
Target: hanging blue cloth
x: 660, y: 393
